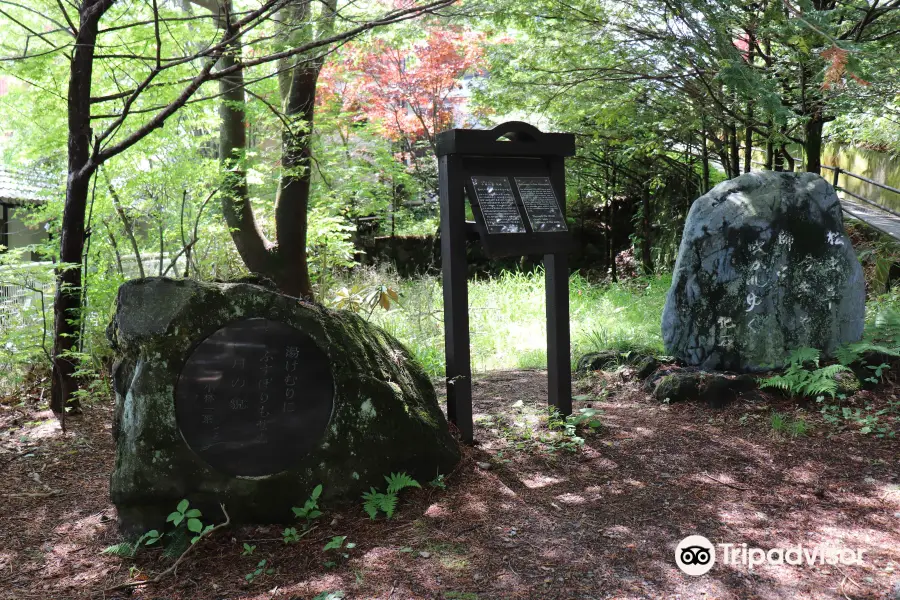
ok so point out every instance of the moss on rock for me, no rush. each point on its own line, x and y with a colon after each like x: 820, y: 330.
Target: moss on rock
x: 386, y: 416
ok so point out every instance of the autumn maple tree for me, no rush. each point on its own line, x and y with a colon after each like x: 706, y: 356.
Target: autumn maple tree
x: 411, y: 91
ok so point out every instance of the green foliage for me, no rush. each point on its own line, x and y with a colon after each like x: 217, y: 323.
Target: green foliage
x: 129, y: 549
x: 386, y: 502
x: 784, y: 424
x: 801, y: 381
x: 338, y: 545
x: 248, y: 549
x: 335, y: 543
x: 400, y: 481
x: 359, y: 299
x: 571, y: 427
x: 185, y: 521
x: 290, y: 535
x: 882, y: 423
x: 310, y: 510
x: 261, y: 568
x: 508, y: 320
x: 438, y: 482
x: 181, y: 513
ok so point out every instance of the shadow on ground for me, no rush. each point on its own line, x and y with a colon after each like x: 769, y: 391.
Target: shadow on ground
x: 523, y: 516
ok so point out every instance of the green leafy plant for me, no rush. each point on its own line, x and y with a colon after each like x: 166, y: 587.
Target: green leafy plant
x: 570, y: 428
x: 438, y: 482
x: 340, y: 545
x: 129, y: 549
x: 191, y: 518
x: 879, y: 370
x: 310, y: 509
x: 290, y: 535
x: 784, y: 424
x: 585, y: 417
x: 260, y: 570
x: 798, y: 380
x: 248, y: 549
x: 375, y: 501
x: 358, y: 298
x: 850, y: 353
x: 335, y: 543
x: 182, y: 512
x: 882, y: 423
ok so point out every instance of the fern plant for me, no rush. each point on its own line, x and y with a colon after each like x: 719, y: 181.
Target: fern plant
x: 851, y: 353
x: 797, y: 380
x: 375, y: 501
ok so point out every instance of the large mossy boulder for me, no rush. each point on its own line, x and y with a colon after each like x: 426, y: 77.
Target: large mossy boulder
x: 764, y: 268
x: 237, y: 394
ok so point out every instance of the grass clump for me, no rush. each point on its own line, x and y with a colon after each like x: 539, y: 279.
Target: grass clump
x: 507, y: 318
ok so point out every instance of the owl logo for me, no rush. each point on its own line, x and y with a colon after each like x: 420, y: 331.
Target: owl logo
x: 695, y: 555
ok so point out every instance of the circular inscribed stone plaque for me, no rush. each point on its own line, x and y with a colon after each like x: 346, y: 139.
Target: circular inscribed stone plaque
x: 254, y: 397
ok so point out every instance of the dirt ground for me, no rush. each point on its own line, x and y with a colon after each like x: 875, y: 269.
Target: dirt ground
x: 523, y: 517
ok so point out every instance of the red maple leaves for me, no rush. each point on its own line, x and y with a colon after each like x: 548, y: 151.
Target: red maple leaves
x: 412, y: 90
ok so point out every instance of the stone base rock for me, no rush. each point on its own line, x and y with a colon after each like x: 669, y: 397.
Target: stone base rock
x: 385, y: 416
x: 607, y: 360
x: 687, y: 385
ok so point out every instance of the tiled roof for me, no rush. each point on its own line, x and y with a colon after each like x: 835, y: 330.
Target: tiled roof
x: 19, y: 187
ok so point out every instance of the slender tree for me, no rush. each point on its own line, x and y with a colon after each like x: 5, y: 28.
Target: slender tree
x: 147, y: 90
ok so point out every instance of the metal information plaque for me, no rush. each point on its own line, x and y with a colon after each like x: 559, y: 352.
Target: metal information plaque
x: 254, y: 397
x: 497, y: 203
x: 541, y: 205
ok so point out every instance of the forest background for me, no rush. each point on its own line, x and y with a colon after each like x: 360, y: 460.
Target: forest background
x: 211, y: 139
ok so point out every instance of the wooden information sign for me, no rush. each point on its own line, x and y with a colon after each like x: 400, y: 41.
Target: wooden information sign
x: 254, y: 397
x: 514, y: 179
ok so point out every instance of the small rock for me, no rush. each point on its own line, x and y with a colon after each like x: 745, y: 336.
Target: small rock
x: 484, y: 465
x: 597, y: 361
x: 425, y: 554
x: 644, y: 366
x: 678, y: 387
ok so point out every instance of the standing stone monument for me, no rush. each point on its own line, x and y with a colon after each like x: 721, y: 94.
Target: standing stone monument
x: 764, y: 268
x: 235, y: 393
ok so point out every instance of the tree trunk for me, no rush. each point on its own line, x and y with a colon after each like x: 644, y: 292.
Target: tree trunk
x: 249, y: 240
x: 284, y: 261
x: 612, y: 222
x: 67, y: 302
x: 748, y: 140
x: 812, y: 146
x: 734, y: 148
x: 704, y: 152
x: 646, y: 246
x: 292, y: 202
x: 748, y: 130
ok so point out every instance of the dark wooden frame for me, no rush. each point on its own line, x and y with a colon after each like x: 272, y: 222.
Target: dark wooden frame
x: 508, y: 150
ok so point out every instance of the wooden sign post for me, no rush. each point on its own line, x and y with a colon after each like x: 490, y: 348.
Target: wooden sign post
x: 514, y: 178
